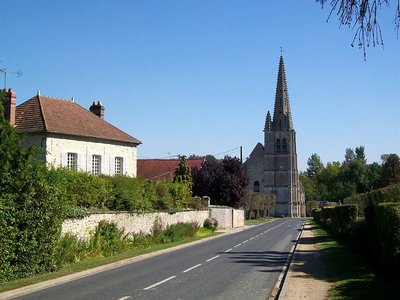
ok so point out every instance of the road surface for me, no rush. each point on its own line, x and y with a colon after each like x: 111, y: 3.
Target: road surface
x: 242, y: 265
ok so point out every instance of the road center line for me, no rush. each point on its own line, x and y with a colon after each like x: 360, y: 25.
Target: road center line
x: 125, y: 298
x: 158, y: 283
x: 194, y: 267
x: 237, y: 245
x: 252, y: 238
x: 228, y: 250
x: 245, y: 241
x: 210, y: 259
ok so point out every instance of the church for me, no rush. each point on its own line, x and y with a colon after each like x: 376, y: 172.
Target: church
x: 271, y: 168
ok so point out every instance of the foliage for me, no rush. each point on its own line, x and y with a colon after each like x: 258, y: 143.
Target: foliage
x: 179, y: 231
x: 260, y: 204
x: 337, y: 181
x: 224, y: 182
x: 183, y: 173
x: 362, y: 15
x: 211, y: 224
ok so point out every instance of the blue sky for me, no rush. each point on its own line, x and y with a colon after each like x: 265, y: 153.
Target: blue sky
x: 198, y: 77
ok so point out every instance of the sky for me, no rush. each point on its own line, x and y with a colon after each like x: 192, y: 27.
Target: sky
x: 198, y: 76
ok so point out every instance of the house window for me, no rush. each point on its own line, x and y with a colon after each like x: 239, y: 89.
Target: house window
x: 278, y: 145
x: 96, y: 164
x: 72, y: 159
x: 284, y: 146
x: 256, y: 187
x: 119, y: 166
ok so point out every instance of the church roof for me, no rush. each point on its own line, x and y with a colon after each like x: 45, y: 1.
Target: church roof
x: 282, y: 119
x: 44, y: 114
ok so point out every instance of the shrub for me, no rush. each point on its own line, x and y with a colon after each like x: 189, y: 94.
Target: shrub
x: 179, y: 231
x: 342, y: 219
x: 211, y: 224
x: 107, y: 240
x: 202, y: 231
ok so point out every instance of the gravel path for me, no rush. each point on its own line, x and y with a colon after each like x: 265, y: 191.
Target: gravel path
x: 305, y: 279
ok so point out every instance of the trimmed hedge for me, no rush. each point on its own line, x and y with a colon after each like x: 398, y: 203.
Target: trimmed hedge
x: 387, y: 194
x: 339, y: 218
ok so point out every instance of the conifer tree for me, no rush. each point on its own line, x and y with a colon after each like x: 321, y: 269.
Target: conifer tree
x: 183, y: 173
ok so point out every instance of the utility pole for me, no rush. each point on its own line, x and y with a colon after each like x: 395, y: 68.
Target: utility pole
x: 241, y: 154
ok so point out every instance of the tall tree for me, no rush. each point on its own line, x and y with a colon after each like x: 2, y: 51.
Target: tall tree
x: 315, y: 165
x: 390, y: 169
x: 224, y: 182
x: 183, y: 173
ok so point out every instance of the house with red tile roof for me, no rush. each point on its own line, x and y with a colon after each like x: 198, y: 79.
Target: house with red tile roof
x: 163, y: 169
x: 72, y: 136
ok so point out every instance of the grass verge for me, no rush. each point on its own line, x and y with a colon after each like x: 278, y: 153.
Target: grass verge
x: 92, y: 263
x: 352, y: 277
x: 258, y: 221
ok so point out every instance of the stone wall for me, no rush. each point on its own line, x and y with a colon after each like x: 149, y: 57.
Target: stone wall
x: 227, y: 217
x: 131, y: 223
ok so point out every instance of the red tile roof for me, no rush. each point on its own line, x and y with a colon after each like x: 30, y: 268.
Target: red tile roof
x: 53, y: 115
x: 162, y: 169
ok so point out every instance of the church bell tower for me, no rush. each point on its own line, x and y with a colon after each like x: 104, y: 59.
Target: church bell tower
x: 278, y: 156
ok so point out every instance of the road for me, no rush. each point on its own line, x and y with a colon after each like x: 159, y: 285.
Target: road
x: 242, y: 265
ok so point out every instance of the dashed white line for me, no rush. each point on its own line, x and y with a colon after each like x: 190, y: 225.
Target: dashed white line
x: 212, y: 258
x: 228, y: 250
x: 252, y: 238
x: 237, y: 245
x: 125, y: 298
x: 244, y: 242
x: 194, y: 267
x: 158, y: 283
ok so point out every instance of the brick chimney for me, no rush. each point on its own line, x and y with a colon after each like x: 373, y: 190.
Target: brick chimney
x: 97, y: 109
x: 9, y: 106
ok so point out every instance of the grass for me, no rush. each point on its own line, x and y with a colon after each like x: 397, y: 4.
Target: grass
x: 96, y: 262
x: 352, y: 277
x: 258, y: 221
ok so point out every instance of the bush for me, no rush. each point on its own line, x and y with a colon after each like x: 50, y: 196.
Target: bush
x: 211, y: 224
x: 179, y: 231
x: 342, y: 219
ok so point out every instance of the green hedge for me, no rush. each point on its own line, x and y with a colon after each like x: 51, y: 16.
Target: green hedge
x: 339, y: 218
x: 387, y: 194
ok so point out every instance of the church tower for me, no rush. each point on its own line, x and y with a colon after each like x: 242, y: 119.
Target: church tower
x: 272, y: 167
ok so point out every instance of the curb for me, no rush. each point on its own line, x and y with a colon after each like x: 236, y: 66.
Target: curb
x: 281, y: 284
x: 78, y: 275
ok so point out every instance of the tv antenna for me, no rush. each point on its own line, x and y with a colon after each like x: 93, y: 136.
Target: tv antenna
x: 5, y: 72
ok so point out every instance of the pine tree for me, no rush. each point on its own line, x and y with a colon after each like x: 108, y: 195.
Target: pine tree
x: 183, y: 173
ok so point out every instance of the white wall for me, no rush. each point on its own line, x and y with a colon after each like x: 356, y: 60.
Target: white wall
x: 58, y: 146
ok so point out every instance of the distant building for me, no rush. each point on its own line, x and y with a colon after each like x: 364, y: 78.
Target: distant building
x: 272, y: 168
x: 163, y: 169
x: 72, y: 136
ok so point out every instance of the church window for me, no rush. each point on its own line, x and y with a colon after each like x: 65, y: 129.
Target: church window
x: 278, y: 145
x: 256, y: 186
x: 284, y: 146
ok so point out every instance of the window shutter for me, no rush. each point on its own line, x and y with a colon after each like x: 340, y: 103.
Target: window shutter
x: 64, y: 159
x: 112, y: 165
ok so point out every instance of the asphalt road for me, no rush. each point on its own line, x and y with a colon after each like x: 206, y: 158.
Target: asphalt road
x: 243, y: 265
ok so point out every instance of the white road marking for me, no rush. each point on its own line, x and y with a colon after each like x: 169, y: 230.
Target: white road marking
x: 194, y: 267
x: 237, y: 245
x: 228, y: 250
x: 252, y: 238
x: 124, y: 298
x: 158, y: 283
x: 210, y: 259
x: 245, y: 241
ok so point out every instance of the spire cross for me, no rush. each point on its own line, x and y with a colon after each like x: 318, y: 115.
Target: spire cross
x: 281, y: 51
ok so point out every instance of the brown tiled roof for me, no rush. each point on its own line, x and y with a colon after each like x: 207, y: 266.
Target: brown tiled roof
x: 162, y: 169
x: 53, y: 115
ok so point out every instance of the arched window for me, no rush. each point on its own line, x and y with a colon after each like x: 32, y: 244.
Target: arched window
x: 284, y: 146
x: 278, y: 145
x: 256, y: 186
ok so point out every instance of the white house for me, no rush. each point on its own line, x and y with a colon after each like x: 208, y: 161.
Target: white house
x: 73, y: 136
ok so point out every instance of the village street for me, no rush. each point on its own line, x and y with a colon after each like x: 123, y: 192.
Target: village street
x: 241, y: 265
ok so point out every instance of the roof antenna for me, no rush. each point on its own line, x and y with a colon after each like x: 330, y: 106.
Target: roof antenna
x: 4, y: 71
x: 38, y: 93
x: 72, y: 99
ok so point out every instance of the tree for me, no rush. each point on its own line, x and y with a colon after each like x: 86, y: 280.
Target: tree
x: 362, y: 15
x: 183, y: 173
x: 315, y: 165
x: 360, y: 154
x: 390, y: 169
x: 224, y: 182
x: 349, y: 155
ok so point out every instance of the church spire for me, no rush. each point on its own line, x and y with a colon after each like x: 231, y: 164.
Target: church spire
x: 268, y: 123
x: 282, y: 115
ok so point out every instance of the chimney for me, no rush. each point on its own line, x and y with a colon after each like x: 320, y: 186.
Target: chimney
x: 9, y: 106
x: 97, y: 109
